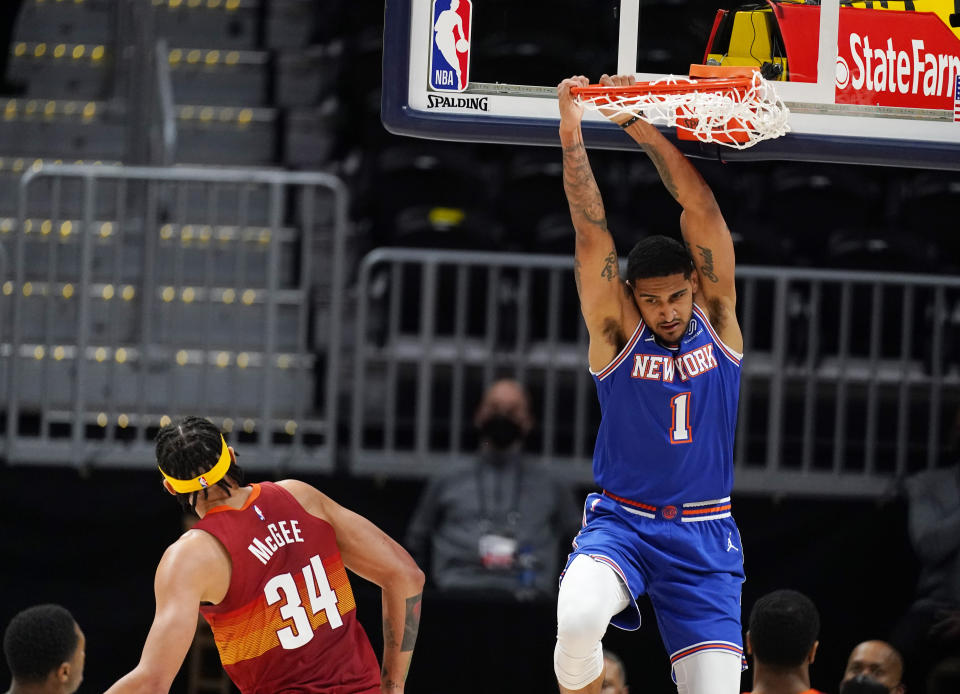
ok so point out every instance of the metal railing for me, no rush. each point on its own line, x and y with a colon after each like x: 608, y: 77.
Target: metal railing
x: 165, y: 149
x: 848, y: 383
x: 145, y: 293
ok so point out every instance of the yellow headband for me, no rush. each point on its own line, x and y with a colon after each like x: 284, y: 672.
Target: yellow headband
x: 211, y: 476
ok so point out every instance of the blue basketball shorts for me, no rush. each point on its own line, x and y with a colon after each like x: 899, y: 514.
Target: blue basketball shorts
x: 687, y: 558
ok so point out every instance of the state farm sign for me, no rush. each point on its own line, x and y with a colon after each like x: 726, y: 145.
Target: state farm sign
x: 889, y: 58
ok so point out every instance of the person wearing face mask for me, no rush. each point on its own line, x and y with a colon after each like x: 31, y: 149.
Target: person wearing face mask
x: 495, y: 524
x: 874, y: 667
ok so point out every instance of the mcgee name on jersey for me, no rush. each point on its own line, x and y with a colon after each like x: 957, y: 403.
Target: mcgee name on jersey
x: 278, y: 537
x: 657, y: 367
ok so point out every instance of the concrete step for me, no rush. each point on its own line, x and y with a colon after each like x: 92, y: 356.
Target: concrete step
x: 228, y: 383
x: 290, y: 23
x: 226, y: 135
x: 66, y: 21
x: 185, y: 317
x: 65, y: 129
x: 221, y: 78
x: 310, y: 135
x: 220, y: 24
x: 85, y: 71
x: 308, y: 76
x: 12, y: 169
x: 67, y: 71
x: 198, y: 255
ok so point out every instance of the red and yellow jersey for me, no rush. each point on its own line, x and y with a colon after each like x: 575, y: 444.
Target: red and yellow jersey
x: 288, y: 622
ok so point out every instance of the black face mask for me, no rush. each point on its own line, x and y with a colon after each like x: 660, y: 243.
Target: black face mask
x: 863, y: 684
x: 501, y: 431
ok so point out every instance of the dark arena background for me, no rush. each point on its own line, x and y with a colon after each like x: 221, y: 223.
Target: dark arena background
x: 201, y: 213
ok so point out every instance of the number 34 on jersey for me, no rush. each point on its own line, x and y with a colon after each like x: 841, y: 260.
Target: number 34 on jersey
x: 321, y: 598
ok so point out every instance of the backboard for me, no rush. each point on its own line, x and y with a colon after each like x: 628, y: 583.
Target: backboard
x: 864, y: 83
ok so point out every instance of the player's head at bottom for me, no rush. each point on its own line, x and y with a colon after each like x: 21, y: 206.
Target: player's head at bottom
x: 45, y: 650
x: 663, y: 281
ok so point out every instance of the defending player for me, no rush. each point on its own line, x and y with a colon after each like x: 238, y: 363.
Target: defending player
x: 266, y: 566
x: 665, y: 355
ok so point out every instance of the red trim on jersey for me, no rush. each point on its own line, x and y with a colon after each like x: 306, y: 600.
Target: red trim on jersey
x: 709, y: 646
x: 624, y: 353
x: 702, y: 511
x: 716, y: 338
x: 246, y: 504
x: 630, y: 502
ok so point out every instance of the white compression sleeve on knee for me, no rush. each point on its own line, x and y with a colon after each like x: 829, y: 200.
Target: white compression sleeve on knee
x: 591, y: 593
x: 709, y: 672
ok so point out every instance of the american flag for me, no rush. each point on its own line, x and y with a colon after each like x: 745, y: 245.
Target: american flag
x: 956, y: 101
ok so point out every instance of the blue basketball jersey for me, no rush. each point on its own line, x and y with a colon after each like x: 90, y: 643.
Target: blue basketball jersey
x: 668, y: 418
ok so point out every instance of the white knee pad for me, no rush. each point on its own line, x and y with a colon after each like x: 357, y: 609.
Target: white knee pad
x: 710, y: 672
x: 591, y: 593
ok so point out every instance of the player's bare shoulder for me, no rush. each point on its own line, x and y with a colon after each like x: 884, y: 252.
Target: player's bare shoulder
x: 312, y: 499
x: 199, y: 562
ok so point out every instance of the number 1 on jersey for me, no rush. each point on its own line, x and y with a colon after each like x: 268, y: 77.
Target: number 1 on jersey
x: 680, y: 420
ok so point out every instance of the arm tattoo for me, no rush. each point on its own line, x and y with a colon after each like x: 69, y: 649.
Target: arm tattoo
x: 389, y: 637
x: 611, y: 269
x: 581, y: 187
x: 662, y: 169
x: 576, y: 273
x: 411, y: 623
x: 707, y: 268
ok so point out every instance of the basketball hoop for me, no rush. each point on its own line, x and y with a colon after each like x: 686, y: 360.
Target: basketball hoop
x: 732, y: 106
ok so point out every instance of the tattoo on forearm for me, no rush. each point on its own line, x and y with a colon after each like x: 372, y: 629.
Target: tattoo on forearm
x: 411, y: 624
x: 611, y: 269
x: 583, y: 195
x: 707, y: 268
x: 389, y: 636
x: 662, y: 169
x: 576, y: 273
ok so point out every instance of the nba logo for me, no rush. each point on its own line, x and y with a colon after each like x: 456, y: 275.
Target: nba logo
x: 450, y: 54
x: 203, y: 481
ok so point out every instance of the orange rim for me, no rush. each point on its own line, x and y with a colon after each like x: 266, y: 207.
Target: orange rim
x: 740, y: 84
x: 705, y: 78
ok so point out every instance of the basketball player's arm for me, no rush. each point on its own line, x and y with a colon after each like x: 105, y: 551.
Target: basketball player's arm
x: 371, y: 554
x: 704, y: 230
x: 183, y: 580
x: 603, y: 301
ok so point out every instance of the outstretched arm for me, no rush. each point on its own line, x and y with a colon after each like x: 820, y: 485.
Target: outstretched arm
x: 609, y: 313
x: 701, y: 222
x: 372, y: 554
x: 190, y: 569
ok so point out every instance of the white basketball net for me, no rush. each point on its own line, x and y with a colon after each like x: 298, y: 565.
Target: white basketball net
x: 729, y: 117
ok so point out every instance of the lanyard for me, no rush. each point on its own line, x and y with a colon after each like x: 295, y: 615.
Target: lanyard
x: 513, y: 513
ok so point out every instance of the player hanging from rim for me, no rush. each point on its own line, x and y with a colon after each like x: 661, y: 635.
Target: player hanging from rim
x: 665, y: 355
x: 266, y: 566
